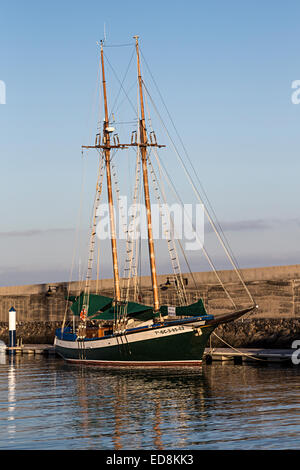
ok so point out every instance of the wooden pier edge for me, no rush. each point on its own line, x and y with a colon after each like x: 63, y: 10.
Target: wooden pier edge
x: 210, y: 354
x: 45, y: 349
x: 249, y: 355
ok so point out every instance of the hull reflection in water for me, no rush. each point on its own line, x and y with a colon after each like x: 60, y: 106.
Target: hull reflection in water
x: 220, y: 406
x: 144, y: 399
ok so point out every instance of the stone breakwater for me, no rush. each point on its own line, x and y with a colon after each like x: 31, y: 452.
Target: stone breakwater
x: 258, y: 333
x: 31, y: 332
x: 250, y: 333
x: 275, y: 289
x: 275, y: 324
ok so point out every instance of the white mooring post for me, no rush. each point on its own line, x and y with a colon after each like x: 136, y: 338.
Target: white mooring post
x: 12, y: 327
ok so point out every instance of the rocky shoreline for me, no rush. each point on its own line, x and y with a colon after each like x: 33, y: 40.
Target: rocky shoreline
x: 268, y: 333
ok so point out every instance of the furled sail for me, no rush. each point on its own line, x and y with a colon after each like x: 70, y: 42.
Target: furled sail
x: 103, y: 308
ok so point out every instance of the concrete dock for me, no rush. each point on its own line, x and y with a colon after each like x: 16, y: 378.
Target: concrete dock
x: 45, y: 349
x: 237, y: 356
x: 248, y: 355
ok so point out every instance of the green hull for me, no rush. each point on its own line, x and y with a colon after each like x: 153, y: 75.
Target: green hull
x: 162, y: 348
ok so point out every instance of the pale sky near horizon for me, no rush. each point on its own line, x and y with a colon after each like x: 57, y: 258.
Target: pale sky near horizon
x: 225, y: 70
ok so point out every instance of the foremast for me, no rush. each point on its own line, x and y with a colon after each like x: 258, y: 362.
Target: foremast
x: 106, y: 146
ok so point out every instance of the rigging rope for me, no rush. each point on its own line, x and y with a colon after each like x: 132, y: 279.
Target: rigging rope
x: 169, y: 235
x: 226, y: 248
x: 75, y: 241
x: 237, y: 350
x: 85, y: 303
x: 98, y: 265
x: 121, y: 85
x: 119, y: 45
x: 170, y: 239
x: 179, y: 284
x: 205, y: 209
x: 171, y: 185
x: 131, y: 247
x: 116, y: 76
x: 178, y: 239
x: 131, y: 234
x: 189, y: 159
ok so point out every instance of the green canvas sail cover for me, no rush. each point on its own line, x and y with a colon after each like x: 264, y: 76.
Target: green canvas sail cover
x: 96, y: 303
x: 193, y: 310
x: 102, y: 308
x: 130, y: 309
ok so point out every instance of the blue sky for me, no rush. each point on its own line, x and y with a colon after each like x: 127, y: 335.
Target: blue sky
x: 225, y: 70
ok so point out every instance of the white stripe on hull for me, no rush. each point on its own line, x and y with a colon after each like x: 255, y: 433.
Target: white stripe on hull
x: 131, y: 337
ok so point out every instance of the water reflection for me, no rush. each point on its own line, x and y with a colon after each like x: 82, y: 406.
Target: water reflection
x: 11, y: 428
x: 149, y: 404
x: 161, y: 409
x: 2, y: 357
x: 48, y: 404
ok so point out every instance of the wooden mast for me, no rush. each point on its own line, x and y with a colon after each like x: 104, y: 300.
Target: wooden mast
x: 143, y: 145
x: 106, y: 142
x: 106, y: 146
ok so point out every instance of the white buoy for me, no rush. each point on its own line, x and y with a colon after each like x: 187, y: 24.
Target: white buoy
x: 12, y: 327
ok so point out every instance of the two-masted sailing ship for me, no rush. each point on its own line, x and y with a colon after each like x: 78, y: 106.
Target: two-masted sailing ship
x: 119, y: 331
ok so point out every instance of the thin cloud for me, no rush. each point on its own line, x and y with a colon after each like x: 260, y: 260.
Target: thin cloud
x: 33, y: 232
x: 253, y: 225
x: 246, y: 225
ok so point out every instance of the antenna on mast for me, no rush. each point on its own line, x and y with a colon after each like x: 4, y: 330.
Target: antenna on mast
x: 104, y: 33
x: 102, y: 41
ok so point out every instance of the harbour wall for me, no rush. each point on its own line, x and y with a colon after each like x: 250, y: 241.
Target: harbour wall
x: 262, y: 333
x: 276, y: 323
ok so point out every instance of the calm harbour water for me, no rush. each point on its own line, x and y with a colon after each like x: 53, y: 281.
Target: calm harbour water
x: 48, y: 404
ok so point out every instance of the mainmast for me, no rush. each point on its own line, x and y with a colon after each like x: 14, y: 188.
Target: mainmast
x: 143, y: 146
x: 106, y: 142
